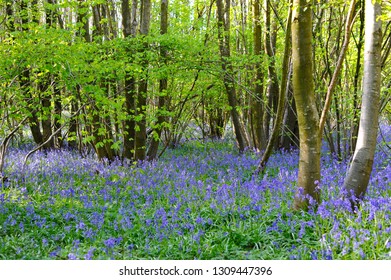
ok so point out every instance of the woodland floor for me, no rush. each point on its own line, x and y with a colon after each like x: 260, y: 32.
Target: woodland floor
x: 199, y: 201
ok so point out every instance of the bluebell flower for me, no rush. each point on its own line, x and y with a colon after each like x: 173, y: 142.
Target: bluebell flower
x: 54, y: 253
x: 90, y: 254
x: 72, y: 256
x: 110, y: 243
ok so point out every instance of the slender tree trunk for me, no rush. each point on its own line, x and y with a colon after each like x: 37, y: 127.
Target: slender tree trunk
x: 257, y: 107
x: 34, y: 122
x: 10, y: 15
x: 282, y: 98
x: 216, y: 123
x: 308, y: 118
x: 272, y: 92
x: 152, y: 151
x: 335, y: 78
x: 223, y: 12
x: 113, y: 19
x: 111, y: 153
x: 357, y: 178
x: 100, y: 129
x: 50, y: 92
x: 57, y: 115
x: 290, y: 133
x: 338, y: 121
x: 25, y: 80
x: 96, y: 126
x: 46, y: 112
x: 97, y: 22
x: 83, y: 19
x: 74, y: 137
x: 129, y: 21
x: 140, y: 138
x: 73, y: 126
x: 359, y: 45
x: 97, y: 133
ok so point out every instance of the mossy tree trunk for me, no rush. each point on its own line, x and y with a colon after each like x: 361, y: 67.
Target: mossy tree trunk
x: 308, y: 118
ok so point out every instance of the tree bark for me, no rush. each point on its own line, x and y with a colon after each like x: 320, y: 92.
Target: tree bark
x: 358, y: 175
x: 140, y: 138
x: 128, y: 22
x: 46, y: 122
x: 74, y: 137
x: 26, y: 84
x: 257, y: 107
x: 153, y: 148
x: 308, y: 118
x: 290, y: 132
x: 272, y: 91
x: 10, y: 15
x: 282, y: 98
x: 223, y: 18
x: 359, y: 46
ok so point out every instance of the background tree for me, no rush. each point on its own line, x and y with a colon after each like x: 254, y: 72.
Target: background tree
x: 129, y: 25
x: 257, y: 99
x: 153, y: 148
x: 223, y: 18
x: 140, y: 137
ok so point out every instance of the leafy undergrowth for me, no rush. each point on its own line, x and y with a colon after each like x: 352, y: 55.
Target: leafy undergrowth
x: 198, y: 202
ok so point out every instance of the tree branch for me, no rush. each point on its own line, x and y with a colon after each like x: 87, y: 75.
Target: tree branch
x: 333, y: 82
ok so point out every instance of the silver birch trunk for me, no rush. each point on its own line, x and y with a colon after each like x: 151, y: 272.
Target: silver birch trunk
x: 357, y: 178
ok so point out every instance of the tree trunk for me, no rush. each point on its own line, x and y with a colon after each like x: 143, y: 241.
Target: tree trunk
x: 46, y: 113
x: 10, y: 15
x: 257, y: 108
x: 26, y: 84
x: 50, y: 91
x: 359, y: 45
x: 73, y: 126
x: 128, y: 22
x: 290, y: 132
x: 357, y: 178
x: 153, y: 148
x: 272, y: 91
x: 223, y: 12
x: 57, y: 115
x: 308, y: 118
x: 216, y: 122
x: 140, y: 138
x: 100, y: 129
x: 74, y: 137
x: 281, y: 100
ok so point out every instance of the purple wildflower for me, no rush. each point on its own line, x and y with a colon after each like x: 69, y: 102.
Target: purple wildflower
x: 72, y: 256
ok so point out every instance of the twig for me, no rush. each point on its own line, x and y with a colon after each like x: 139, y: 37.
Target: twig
x: 349, y: 25
x: 4, y: 144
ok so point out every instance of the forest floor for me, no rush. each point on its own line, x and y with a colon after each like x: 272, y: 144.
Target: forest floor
x: 199, y: 201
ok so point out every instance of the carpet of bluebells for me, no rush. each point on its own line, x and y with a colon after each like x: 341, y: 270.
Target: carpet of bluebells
x: 199, y: 201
